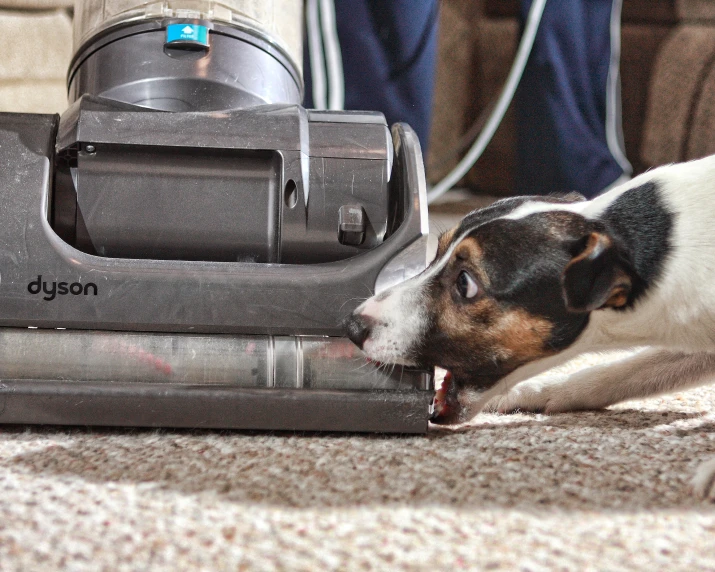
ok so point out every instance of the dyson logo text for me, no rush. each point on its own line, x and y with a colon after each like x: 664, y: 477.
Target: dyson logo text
x: 52, y: 289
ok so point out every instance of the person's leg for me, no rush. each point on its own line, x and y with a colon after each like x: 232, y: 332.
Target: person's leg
x: 388, y: 56
x: 568, y: 102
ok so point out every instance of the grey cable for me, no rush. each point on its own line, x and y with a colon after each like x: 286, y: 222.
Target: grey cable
x: 517, y: 70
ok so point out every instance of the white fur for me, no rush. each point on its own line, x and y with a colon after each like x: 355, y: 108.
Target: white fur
x: 676, y: 317
x: 399, y: 315
x: 402, y: 314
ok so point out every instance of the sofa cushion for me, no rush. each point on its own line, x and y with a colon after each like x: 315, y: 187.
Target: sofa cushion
x: 639, y: 47
x: 37, y: 45
x: 649, y: 11
x: 36, y: 48
x: 33, y: 96
x: 676, y: 87
x: 701, y: 141
x: 454, y: 87
x: 696, y: 10
x: 634, y: 11
x: 502, y: 8
x: 496, y: 42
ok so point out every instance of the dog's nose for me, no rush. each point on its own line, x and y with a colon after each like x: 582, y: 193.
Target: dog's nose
x: 358, y: 329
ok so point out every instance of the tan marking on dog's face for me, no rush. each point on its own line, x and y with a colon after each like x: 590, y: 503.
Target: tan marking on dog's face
x: 444, y: 241
x: 486, y: 333
x: 521, y: 336
x: 618, y: 298
x: 479, y: 333
x: 471, y: 254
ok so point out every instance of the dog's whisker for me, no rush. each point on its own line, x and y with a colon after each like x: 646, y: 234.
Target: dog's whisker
x: 368, y: 288
x: 362, y: 366
x: 359, y: 298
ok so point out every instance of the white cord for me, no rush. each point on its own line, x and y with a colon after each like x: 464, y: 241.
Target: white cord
x: 317, y: 59
x: 333, y: 56
x: 507, y: 94
x: 614, y: 129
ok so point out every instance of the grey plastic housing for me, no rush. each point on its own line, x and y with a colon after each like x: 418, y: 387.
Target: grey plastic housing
x: 178, y: 295
x: 47, y: 283
x: 139, y: 183
x: 180, y: 247
x: 240, y: 69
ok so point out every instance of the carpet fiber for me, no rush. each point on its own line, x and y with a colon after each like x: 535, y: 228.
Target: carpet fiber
x: 595, y: 490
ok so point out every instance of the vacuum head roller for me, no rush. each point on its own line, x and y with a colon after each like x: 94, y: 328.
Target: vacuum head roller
x: 180, y: 246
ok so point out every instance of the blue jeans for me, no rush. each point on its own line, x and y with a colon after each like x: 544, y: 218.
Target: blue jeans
x: 388, y: 50
x: 569, y: 135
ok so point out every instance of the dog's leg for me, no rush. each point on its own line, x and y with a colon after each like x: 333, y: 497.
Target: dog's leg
x: 474, y: 400
x: 649, y: 372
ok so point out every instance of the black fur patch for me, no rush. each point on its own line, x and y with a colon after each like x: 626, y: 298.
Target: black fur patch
x: 641, y: 225
x: 525, y: 258
x: 504, y: 206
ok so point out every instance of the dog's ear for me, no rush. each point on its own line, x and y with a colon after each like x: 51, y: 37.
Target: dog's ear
x: 595, y: 277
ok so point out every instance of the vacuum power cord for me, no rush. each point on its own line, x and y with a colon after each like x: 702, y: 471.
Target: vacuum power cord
x: 517, y: 70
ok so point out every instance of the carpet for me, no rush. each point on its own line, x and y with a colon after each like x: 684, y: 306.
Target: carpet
x: 604, y: 490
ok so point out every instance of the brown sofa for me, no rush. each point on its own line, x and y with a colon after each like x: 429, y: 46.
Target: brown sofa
x: 668, y: 84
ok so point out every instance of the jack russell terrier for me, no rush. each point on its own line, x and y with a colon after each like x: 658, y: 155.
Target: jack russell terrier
x: 528, y: 283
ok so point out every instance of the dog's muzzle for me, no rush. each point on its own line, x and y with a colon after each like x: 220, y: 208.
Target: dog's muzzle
x: 358, y: 329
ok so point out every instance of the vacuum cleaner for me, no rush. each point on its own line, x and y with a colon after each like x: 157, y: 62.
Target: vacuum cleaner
x: 179, y: 247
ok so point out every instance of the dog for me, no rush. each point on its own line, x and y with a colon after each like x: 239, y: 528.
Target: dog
x: 528, y: 283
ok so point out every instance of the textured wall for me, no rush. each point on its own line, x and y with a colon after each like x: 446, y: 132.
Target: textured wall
x: 36, y: 48
x: 678, y: 100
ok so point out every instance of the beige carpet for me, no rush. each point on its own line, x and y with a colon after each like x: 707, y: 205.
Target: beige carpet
x: 588, y: 491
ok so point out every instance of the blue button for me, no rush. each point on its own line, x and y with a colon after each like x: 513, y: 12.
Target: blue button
x: 187, y: 33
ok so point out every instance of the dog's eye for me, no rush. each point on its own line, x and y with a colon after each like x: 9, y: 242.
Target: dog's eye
x: 466, y: 286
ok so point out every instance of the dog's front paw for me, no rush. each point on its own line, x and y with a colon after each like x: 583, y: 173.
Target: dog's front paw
x: 531, y: 396
x: 703, y: 483
x: 553, y: 394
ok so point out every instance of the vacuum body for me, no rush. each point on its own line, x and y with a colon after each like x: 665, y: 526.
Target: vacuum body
x: 180, y: 246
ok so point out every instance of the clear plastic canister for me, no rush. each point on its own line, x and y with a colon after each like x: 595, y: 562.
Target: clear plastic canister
x: 275, y: 20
